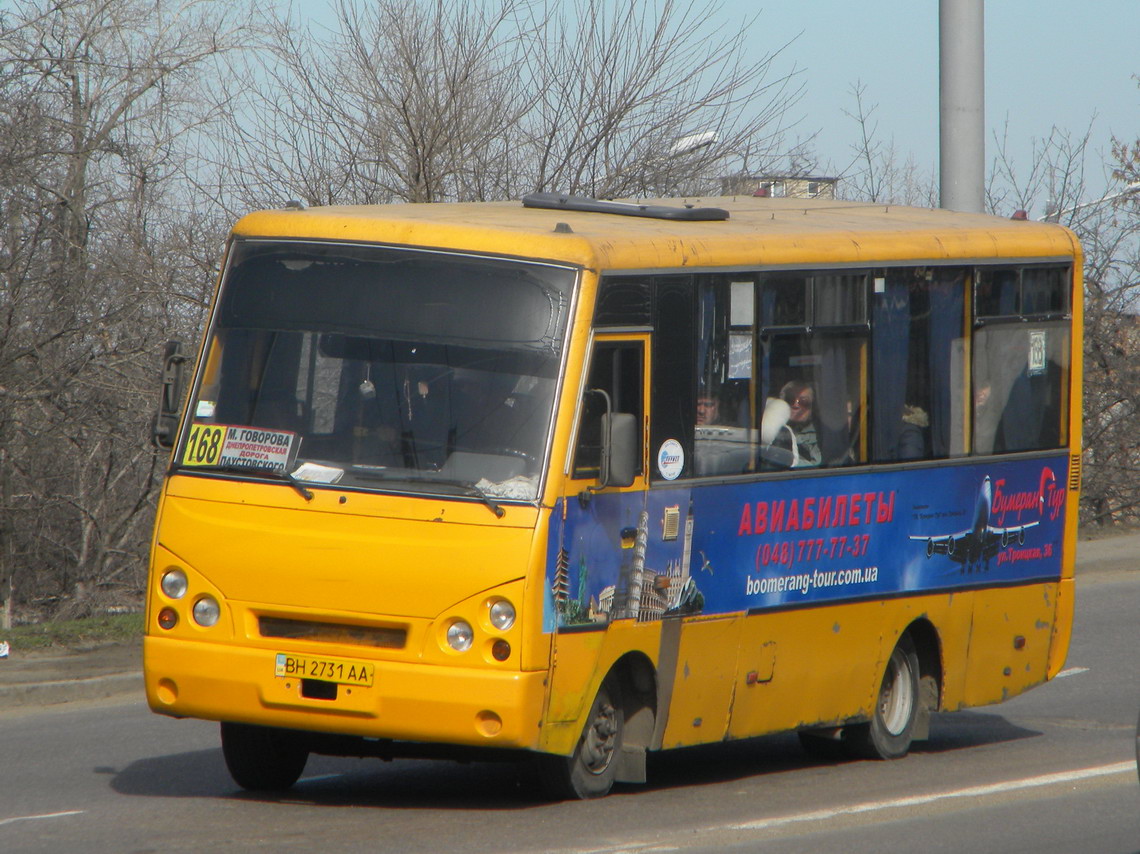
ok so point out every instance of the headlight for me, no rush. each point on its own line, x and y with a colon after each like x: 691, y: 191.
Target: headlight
x: 502, y: 615
x: 207, y: 611
x: 174, y: 584
x: 460, y: 636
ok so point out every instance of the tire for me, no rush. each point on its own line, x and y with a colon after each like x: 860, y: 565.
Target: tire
x: 589, y: 771
x: 890, y: 731
x: 263, y: 759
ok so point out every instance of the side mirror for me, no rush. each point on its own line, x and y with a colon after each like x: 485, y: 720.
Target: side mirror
x: 620, y: 450
x: 173, y: 388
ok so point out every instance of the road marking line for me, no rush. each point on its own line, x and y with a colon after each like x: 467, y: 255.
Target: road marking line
x: 1072, y: 671
x: 4, y: 821
x: 919, y: 800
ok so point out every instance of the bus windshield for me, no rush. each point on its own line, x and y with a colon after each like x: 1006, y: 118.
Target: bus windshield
x: 382, y: 368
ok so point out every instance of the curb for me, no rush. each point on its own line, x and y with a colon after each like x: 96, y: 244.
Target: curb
x: 22, y: 694
x: 1111, y: 554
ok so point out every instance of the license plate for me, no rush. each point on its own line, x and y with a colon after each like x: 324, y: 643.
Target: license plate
x: 337, y: 670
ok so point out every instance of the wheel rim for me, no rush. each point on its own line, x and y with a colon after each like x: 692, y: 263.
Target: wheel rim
x: 896, y: 700
x: 600, y: 738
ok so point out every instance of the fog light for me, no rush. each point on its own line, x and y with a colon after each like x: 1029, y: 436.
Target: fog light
x: 167, y: 618
x: 500, y: 650
x: 167, y: 691
x: 460, y: 636
x: 207, y: 611
x: 502, y: 615
x: 174, y: 584
x: 488, y: 723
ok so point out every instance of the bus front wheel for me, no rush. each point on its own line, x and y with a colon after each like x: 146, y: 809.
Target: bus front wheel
x: 889, y: 733
x: 589, y: 771
x: 262, y: 758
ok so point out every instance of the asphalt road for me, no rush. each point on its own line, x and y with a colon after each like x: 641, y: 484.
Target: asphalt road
x: 1050, y: 771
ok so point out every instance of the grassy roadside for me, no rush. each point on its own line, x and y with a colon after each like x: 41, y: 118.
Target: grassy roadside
x: 73, y: 634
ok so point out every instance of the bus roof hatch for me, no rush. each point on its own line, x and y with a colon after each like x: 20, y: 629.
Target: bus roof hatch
x: 562, y: 202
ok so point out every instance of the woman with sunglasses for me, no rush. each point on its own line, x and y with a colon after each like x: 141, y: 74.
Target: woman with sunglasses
x: 800, y: 397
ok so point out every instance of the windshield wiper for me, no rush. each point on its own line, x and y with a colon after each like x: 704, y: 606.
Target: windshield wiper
x: 306, y: 493
x: 256, y: 471
x: 380, y: 473
x: 487, y: 500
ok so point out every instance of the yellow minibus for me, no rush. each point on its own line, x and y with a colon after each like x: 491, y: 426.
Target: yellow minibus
x: 578, y: 480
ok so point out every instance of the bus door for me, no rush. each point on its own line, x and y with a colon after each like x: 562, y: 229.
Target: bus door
x: 596, y: 558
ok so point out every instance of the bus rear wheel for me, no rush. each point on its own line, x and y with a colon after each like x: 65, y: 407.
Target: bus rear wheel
x: 263, y: 759
x: 589, y: 771
x: 889, y: 733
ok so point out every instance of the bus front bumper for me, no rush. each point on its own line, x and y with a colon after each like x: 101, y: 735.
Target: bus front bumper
x: 408, y: 702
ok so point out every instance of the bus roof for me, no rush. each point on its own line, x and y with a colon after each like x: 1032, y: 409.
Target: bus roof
x: 758, y: 232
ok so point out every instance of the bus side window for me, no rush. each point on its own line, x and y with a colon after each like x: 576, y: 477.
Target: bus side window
x: 1020, y: 366
x: 917, y: 370
x: 812, y: 373
x: 720, y: 419
x: 818, y: 378
x: 616, y: 368
x: 1020, y: 373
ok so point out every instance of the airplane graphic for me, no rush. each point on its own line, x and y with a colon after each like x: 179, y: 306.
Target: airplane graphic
x: 981, y: 541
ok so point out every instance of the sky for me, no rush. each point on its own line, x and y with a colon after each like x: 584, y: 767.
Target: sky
x: 1047, y: 62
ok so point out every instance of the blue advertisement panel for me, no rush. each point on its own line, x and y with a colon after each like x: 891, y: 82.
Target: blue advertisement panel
x: 751, y: 546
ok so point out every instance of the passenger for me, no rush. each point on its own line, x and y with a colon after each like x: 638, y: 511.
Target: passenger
x: 800, y: 397
x: 708, y: 410
x: 912, y: 434
x: 723, y: 445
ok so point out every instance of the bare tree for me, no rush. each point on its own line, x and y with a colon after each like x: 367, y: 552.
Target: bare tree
x: 98, y: 97
x: 1109, y: 228
x: 1055, y: 175
x: 877, y: 172
x: 398, y: 102
x: 434, y: 101
x: 646, y: 98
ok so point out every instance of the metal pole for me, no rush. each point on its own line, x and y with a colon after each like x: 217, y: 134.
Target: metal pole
x: 962, y: 148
